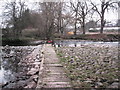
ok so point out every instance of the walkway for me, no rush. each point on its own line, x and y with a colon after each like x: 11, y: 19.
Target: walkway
x: 53, y: 75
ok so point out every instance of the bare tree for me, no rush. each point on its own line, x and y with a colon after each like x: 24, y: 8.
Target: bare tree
x: 48, y: 12
x: 20, y: 23
x: 13, y: 12
x: 59, y: 17
x: 62, y: 17
x: 84, y: 10
x: 75, y: 8
x: 81, y: 10
x: 105, y: 5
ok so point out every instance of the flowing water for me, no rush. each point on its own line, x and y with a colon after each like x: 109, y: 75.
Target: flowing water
x: 77, y: 43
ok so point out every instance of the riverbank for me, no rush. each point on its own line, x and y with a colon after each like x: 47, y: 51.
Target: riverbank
x: 21, y: 42
x: 94, y: 37
x: 15, y: 42
x: 86, y: 37
x: 91, y: 66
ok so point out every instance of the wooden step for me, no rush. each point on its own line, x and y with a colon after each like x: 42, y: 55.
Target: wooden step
x: 57, y: 84
x: 54, y: 65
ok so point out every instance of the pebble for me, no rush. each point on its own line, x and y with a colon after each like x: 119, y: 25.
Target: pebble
x: 36, y: 63
x: 99, y: 83
x: 88, y: 81
x: 31, y: 85
x: 20, y: 84
x: 114, y: 85
x: 32, y: 71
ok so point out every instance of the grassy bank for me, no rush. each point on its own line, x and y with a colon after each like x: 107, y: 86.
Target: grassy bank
x: 94, y: 37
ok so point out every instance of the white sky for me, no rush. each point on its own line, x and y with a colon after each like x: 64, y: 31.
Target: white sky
x: 109, y: 16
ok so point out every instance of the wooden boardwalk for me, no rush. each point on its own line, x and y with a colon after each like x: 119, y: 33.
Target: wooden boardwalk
x: 53, y: 75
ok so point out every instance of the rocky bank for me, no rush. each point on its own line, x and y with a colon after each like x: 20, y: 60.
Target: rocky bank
x: 91, y: 66
x: 23, y: 63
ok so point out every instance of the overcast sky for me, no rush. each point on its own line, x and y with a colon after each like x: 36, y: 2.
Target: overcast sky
x: 109, y: 16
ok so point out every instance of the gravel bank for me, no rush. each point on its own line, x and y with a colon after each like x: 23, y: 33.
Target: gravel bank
x: 91, y: 66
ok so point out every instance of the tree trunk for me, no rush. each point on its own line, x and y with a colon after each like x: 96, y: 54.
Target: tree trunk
x: 75, y: 23
x: 102, y: 26
x: 102, y: 18
x: 83, y: 24
x: 75, y: 28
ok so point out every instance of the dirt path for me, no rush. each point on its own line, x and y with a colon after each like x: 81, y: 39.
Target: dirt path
x: 53, y: 75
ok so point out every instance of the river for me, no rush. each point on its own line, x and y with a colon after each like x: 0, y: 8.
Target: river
x: 77, y: 43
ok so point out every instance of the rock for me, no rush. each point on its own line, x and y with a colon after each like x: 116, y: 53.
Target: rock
x: 99, y: 83
x: 36, y: 63
x: 114, y: 85
x: 20, y: 84
x: 10, y: 85
x: 96, y: 86
x: 4, y: 84
x: 37, y: 60
x: 103, y: 80
x: 31, y: 85
x: 37, y: 56
x: 88, y: 81
x: 35, y: 78
x: 36, y: 66
x: 116, y: 80
x: 30, y: 79
x: 24, y: 77
x: 33, y: 71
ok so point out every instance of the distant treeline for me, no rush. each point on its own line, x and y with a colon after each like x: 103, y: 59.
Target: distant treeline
x: 51, y: 19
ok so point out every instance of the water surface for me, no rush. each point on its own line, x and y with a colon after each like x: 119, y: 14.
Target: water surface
x: 77, y: 43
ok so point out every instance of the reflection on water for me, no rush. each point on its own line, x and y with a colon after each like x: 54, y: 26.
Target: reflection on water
x: 75, y: 43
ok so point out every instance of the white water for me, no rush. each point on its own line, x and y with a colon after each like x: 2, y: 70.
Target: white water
x: 2, y: 76
x: 79, y: 43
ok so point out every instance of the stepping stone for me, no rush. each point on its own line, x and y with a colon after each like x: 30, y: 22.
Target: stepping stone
x: 57, y: 85
x: 55, y: 79
x: 54, y: 65
x: 55, y: 71
x: 57, y: 75
x: 51, y: 61
x: 55, y: 68
x: 36, y: 63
